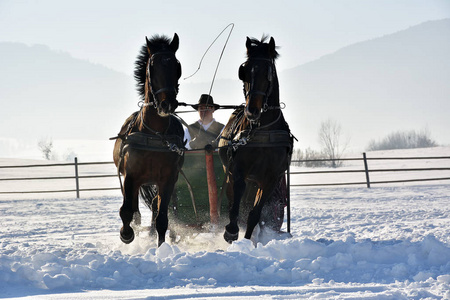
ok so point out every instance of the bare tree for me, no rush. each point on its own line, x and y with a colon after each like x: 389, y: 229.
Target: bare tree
x: 46, y: 146
x: 308, y: 158
x: 330, y: 137
x: 404, y: 140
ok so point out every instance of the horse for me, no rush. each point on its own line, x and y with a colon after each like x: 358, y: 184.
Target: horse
x: 256, y: 144
x: 149, y: 150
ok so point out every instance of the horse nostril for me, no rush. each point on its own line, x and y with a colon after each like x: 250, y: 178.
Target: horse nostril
x: 168, y: 106
x: 252, y: 114
x: 164, y: 105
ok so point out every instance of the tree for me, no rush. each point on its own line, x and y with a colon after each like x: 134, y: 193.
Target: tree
x: 308, y: 158
x: 330, y: 137
x: 46, y: 146
x: 403, y: 140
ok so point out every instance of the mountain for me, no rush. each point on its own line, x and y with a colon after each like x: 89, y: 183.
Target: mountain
x: 45, y: 93
x: 372, y: 88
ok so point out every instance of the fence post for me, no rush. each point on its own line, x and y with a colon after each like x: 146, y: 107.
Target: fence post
x: 367, y: 170
x: 76, y: 178
x: 288, y: 204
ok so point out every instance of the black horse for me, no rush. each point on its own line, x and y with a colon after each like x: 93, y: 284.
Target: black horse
x: 256, y: 144
x: 149, y: 149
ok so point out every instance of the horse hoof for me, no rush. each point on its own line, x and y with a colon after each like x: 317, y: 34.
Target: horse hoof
x: 126, y: 238
x: 230, y: 237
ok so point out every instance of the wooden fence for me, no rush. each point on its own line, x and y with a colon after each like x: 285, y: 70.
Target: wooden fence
x: 365, y: 161
x: 76, y: 177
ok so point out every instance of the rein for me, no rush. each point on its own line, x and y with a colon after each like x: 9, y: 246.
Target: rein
x: 149, y: 78
x: 219, y: 107
x: 271, y: 75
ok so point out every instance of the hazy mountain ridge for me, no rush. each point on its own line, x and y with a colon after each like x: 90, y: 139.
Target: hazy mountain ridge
x: 371, y: 85
x: 58, y: 93
x: 398, y: 81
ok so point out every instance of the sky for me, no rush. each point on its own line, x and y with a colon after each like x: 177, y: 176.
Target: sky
x: 110, y: 32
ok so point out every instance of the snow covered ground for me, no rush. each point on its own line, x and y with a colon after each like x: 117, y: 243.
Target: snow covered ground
x: 387, y: 242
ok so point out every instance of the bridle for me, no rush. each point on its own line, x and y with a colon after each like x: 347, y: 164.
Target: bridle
x: 249, y: 87
x: 170, y: 89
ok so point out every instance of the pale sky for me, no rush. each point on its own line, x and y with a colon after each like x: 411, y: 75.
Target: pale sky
x: 110, y: 32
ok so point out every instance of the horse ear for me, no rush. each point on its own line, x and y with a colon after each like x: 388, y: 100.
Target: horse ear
x: 248, y: 43
x: 272, y: 50
x: 175, y: 43
x: 149, y: 45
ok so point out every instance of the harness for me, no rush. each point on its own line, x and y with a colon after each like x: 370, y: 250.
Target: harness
x: 262, y: 139
x: 257, y: 136
x: 152, y: 142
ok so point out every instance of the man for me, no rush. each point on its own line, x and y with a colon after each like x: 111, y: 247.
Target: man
x: 206, y: 130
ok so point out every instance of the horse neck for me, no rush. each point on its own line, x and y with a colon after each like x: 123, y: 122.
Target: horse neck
x: 152, y: 120
x: 272, y: 101
x: 274, y: 97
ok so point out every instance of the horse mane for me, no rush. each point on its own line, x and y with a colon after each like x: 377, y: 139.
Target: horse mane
x: 160, y: 42
x: 260, y: 48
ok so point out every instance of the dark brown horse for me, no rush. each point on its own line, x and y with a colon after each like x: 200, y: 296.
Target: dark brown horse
x: 149, y: 149
x: 256, y: 143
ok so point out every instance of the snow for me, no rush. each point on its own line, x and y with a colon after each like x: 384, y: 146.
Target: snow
x: 387, y: 242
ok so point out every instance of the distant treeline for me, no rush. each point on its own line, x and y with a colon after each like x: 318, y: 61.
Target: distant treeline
x: 397, y: 140
x: 403, y: 140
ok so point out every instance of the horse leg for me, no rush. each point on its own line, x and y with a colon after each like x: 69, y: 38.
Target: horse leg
x: 255, y: 213
x: 232, y: 229
x: 130, y: 202
x: 272, y: 213
x: 162, y: 220
x: 154, y: 209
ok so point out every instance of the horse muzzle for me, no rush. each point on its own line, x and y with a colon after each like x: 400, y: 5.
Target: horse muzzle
x: 252, y: 113
x: 167, y: 107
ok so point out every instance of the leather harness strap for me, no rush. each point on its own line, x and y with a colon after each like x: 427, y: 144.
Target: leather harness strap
x: 153, y: 142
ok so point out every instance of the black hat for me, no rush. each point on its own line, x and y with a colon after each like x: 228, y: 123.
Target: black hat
x: 206, y: 100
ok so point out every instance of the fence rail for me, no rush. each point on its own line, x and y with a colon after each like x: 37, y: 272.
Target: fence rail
x: 77, y: 177
x: 367, y: 171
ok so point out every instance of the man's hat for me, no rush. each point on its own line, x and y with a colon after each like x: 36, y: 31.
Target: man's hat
x: 206, y: 100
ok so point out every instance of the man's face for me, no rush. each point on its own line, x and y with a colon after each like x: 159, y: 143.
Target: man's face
x: 205, y: 112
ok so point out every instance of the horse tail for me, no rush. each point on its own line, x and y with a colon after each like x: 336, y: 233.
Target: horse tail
x: 148, y: 194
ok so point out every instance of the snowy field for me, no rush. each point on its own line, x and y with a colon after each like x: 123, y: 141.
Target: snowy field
x: 387, y: 242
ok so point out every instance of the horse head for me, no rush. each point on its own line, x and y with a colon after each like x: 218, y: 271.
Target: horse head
x: 162, y: 73
x: 259, y: 76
